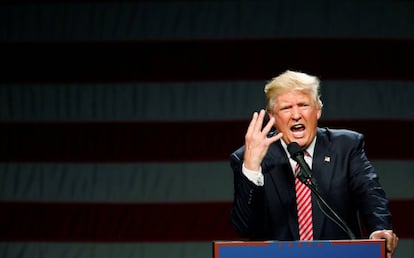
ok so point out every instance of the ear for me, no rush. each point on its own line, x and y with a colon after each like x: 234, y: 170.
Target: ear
x: 268, y: 116
x: 319, y: 113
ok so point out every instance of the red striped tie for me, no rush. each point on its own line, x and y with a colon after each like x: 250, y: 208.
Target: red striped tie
x: 304, y: 206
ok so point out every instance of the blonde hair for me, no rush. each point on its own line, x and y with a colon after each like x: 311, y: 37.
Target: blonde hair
x: 291, y: 81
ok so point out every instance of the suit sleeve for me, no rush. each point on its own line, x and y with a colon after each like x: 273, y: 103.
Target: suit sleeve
x: 248, y: 211
x: 368, y: 192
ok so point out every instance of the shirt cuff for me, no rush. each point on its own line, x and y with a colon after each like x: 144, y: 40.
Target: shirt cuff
x: 255, y: 176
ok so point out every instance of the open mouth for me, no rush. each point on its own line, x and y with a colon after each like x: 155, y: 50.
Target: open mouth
x: 298, y: 130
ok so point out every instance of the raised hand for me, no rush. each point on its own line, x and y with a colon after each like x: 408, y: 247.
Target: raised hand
x: 256, y: 141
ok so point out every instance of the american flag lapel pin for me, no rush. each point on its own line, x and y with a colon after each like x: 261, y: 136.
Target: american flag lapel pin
x: 327, y: 159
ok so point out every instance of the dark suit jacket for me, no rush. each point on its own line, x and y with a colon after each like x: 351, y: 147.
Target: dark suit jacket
x: 344, y: 177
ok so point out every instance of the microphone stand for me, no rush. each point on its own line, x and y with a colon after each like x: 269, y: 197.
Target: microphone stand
x: 310, y: 183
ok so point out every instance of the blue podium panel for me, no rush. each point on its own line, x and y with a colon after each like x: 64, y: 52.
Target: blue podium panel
x: 300, y: 249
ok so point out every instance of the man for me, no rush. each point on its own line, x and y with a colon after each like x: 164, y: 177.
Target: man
x: 265, y: 205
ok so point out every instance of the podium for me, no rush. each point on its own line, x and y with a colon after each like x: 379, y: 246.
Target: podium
x: 300, y: 249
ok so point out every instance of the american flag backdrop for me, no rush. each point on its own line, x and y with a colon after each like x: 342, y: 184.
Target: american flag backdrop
x: 117, y: 118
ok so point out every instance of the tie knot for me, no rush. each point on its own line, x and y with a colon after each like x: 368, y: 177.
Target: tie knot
x: 297, y: 166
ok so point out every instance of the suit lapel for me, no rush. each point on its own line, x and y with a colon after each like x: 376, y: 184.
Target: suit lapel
x: 323, y: 171
x: 281, y: 175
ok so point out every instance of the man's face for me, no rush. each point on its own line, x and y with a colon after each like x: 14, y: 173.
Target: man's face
x: 296, y: 116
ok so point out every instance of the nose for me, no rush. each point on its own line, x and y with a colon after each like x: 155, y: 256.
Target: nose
x: 296, y: 115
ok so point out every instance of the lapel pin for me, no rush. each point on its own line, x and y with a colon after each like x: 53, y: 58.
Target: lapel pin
x: 327, y: 159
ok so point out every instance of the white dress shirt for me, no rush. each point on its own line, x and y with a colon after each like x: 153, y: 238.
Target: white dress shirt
x: 258, y: 179
x: 257, y: 176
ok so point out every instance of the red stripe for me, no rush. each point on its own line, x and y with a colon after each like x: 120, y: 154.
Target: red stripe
x: 403, y: 214
x: 138, y: 222
x: 115, y: 222
x: 206, y: 60
x: 166, y: 142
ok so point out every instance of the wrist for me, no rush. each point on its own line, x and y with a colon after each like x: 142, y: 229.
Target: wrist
x: 252, y: 167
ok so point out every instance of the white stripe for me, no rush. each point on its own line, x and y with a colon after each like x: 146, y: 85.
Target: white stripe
x: 152, y: 182
x: 397, y: 177
x: 141, y: 182
x: 192, y: 101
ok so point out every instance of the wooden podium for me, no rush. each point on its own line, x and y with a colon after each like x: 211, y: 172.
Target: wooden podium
x: 300, y: 249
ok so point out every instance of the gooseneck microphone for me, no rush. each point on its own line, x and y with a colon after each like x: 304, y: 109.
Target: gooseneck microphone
x: 305, y: 176
x: 297, y: 154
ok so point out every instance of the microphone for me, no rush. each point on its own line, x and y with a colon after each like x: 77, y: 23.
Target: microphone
x: 304, y: 175
x: 296, y: 153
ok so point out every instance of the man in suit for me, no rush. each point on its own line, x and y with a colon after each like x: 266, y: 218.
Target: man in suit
x: 265, y: 204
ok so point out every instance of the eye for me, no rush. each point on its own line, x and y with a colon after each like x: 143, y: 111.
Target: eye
x: 285, y: 109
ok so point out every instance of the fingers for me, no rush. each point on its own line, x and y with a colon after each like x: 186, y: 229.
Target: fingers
x: 391, y: 240
x: 267, y: 129
x: 259, y: 121
x: 275, y: 137
x: 256, y: 123
x: 252, y: 124
x: 268, y: 126
x: 257, y: 141
x: 392, y: 243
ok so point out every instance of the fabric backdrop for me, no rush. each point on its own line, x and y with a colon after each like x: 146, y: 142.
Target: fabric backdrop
x: 117, y: 118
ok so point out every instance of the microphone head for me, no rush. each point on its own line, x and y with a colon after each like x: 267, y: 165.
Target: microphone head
x: 294, y: 150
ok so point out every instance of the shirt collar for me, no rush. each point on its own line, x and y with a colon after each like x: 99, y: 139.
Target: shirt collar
x: 310, y: 150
